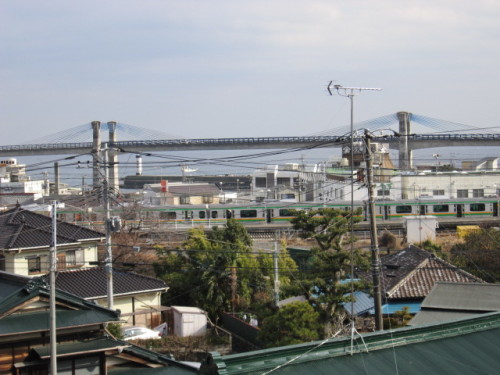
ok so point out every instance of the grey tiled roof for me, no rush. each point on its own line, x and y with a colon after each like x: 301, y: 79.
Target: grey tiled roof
x: 92, y: 282
x: 411, y: 273
x: 22, y: 228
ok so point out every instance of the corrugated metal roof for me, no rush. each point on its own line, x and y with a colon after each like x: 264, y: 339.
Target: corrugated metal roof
x: 433, y: 316
x: 91, y: 346
x: 464, y: 296
x: 362, y: 304
x: 36, y: 322
x: 466, y: 346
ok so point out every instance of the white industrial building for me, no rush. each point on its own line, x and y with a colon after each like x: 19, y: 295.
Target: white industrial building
x: 472, y: 184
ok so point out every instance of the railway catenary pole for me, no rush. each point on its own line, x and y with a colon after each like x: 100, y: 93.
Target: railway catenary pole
x: 377, y: 295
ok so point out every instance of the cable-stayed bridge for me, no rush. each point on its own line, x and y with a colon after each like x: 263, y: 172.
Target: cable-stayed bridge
x: 403, y: 131
x: 418, y: 131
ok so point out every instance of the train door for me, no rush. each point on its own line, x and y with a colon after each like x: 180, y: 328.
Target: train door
x: 387, y: 212
x: 495, y: 209
x: 228, y: 214
x: 269, y: 215
x: 422, y: 209
x: 459, y: 208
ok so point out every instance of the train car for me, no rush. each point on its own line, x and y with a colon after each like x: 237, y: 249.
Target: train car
x: 277, y: 212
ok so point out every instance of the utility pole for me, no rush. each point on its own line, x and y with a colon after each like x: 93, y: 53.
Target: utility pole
x: 350, y: 92
x: 109, y: 254
x: 52, y: 297
x: 377, y: 295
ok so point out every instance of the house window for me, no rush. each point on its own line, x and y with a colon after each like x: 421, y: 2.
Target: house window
x: 208, y: 199
x: 438, y: 192
x: 462, y: 193
x: 285, y: 181
x: 185, y: 199
x: 34, y: 265
x: 75, y: 258
x: 77, y: 366
x: 477, y: 193
x: 383, y: 193
x: 260, y: 182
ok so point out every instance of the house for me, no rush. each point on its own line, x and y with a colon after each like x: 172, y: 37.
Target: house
x: 181, y: 193
x: 451, y: 301
x: 407, y: 276
x: 465, y: 346
x: 83, y: 345
x: 27, y: 238
x: 138, y: 297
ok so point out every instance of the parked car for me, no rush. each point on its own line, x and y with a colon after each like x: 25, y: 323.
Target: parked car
x: 140, y: 333
x: 162, y: 329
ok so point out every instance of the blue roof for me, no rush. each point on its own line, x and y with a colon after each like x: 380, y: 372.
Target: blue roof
x: 364, y: 304
x: 392, y: 307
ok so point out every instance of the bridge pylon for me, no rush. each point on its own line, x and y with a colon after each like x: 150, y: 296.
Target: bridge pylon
x: 96, y: 149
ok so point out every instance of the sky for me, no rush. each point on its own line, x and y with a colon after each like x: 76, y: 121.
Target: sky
x: 232, y: 68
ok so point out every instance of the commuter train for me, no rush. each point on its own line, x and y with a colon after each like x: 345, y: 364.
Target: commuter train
x: 452, y: 210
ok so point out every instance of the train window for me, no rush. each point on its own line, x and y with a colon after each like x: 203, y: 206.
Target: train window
x: 285, y: 212
x: 248, y: 213
x: 215, y: 214
x: 201, y: 214
x: 441, y: 208
x: 477, y: 207
x: 403, y: 209
x: 168, y: 215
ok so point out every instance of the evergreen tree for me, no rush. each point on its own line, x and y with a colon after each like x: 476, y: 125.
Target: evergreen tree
x: 294, y: 323
x: 331, y: 261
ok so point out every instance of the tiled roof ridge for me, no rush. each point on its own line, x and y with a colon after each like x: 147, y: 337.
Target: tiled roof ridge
x: 395, y: 259
x: 405, y: 279
x: 14, y: 237
x: 13, y: 212
x: 137, y: 274
x: 458, y: 269
x: 115, y: 271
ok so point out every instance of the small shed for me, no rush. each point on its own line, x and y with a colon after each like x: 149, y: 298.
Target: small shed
x: 189, y: 321
x: 420, y: 228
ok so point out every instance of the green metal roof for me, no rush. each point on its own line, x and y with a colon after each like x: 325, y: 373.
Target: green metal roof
x: 465, y: 346
x: 37, y: 288
x: 39, y: 321
x: 80, y: 347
